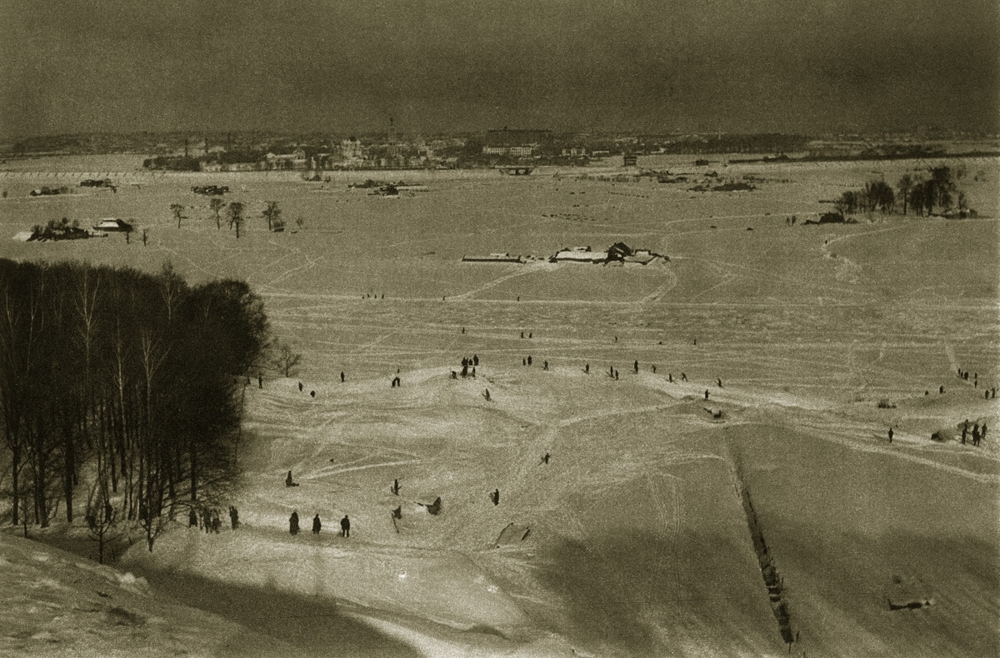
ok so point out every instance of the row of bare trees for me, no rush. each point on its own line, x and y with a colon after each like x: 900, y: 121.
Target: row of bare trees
x: 235, y: 211
x: 922, y: 193
x: 120, y: 385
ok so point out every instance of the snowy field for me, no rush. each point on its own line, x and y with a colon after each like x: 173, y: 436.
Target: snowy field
x: 639, y: 540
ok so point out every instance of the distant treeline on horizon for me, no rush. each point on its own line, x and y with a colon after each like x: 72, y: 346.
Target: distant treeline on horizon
x: 198, y: 143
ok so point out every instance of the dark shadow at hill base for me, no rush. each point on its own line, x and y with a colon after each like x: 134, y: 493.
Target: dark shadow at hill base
x: 696, y: 590
x: 314, y: 627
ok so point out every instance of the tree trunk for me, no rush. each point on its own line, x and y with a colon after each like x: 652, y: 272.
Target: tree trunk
x: 15, y: 473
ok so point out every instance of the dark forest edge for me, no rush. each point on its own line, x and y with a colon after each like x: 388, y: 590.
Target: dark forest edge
x: 122, y: 386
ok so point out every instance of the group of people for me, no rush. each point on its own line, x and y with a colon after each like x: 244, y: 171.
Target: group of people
x: 978, y: 433
x: 990, y: 393
x: 209, y: 520
x: 293, y: 525
x: 468, y: 366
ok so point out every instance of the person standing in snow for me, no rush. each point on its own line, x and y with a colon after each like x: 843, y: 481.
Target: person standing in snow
x: 293, y: 523
x: 316, y: 525
x: 345, y: 527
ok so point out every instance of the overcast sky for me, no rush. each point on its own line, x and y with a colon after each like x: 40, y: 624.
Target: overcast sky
x: 659, y: 65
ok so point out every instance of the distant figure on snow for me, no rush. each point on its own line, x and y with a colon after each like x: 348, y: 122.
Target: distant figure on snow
x: 670, y: 377
x: 965, y: 430
x: 719, y: 382
x: 529, y: 359
x: 495, y: 496
x: 395, y: 487
x: 293, y: 523
x: 192, y: 518
x: 890, y: 435
x: 312, y: 394
x: 289, y: 482
x: 545, y: 459
x: 475, y: 359
x: 341, y: 376
x: 486, y: 394
x: 706, y: 393
x: 586, y: 368
x: 260, y: 380
x: 636, y: 366
x: 300, y: 387
x: 684, y: 377
x: 234, y: 517
x: 941, y: 390
x: 345, y: 527
x: 316, y: 525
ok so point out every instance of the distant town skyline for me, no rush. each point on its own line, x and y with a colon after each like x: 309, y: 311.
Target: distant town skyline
x: 728, y: 65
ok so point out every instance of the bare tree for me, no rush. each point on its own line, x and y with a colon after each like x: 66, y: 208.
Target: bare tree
x: 216, y: 205
x: 178, y: 211
x: 905, y: 185
x: 286, y: 359
x: 272, y: 212
x: 236, y: 216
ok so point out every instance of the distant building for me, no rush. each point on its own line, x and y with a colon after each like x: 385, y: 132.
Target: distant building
x: 523, y: 151
x: 580, y: 255
x: 350, y: 148
x: 630, y: 160
x: 516, y: 143
x: 113, y: 224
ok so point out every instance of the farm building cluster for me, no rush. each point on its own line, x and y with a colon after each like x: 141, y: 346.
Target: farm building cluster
x: 618, y: 253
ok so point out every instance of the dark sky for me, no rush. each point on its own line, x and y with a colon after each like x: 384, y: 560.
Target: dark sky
x: 734, y: 65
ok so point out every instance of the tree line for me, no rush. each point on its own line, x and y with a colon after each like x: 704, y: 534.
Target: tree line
x: 921, y: 193
x: 127, y: 383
